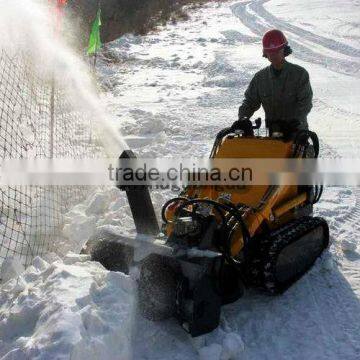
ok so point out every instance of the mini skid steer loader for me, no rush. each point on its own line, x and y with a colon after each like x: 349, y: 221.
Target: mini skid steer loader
x: 212, y: 247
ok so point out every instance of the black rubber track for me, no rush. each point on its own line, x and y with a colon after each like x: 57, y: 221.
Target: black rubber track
x: 307, y: 234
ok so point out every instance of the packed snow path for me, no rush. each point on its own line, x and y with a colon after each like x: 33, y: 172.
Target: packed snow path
x: 172, y: 91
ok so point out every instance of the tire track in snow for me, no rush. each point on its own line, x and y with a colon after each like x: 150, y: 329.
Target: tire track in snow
x: 337, y: 310
x: 335, y: 299
x: 258, y: 8
x: 354, y: 216
x: 258, y: 20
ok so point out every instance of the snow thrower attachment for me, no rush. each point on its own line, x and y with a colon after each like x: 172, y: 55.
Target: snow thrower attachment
x: 215, y: 242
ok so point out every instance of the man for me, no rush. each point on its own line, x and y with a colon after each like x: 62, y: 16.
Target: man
x: 283, y: 89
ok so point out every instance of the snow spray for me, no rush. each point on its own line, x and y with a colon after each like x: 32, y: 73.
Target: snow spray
x: 28, y: 26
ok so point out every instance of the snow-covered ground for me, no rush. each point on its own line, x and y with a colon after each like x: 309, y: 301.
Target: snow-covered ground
x: 172, y: 91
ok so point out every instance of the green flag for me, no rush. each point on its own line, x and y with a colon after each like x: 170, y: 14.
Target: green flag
x: 94, y: 40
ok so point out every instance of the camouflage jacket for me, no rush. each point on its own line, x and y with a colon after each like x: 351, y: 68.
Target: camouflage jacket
x: 286, y: 97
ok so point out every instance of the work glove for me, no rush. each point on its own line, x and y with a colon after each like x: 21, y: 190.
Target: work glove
x: 245, y: 125
x: 240, y: 124
x: 236, y: 125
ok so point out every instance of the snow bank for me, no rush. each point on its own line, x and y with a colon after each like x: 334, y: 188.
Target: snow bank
x: 105, y: 206
x: 11, y: 267
x: 231, y: 348
x: 67, y: 309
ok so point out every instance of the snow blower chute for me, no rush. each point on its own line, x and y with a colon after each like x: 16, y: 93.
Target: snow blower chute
x: 213, y: 247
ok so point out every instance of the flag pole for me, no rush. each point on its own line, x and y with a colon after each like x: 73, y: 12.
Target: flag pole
x: 95, y: 57
x: 52, y: 115
x: 95, y: 39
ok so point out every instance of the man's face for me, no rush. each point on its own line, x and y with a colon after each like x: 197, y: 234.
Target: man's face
x: 276, y: 57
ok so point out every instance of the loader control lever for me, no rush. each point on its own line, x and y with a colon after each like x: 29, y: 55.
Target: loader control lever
x: 257, y: 123
x: 245, y: 126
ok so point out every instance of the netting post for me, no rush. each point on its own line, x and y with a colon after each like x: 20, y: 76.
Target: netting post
x: 52, y: 117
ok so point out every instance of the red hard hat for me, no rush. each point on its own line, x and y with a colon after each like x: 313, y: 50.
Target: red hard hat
x: 273, y: 40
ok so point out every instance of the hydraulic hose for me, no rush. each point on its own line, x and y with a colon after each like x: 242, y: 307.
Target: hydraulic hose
x: 302, y: 139
x: 167, y: 204
x: 232, y: 210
